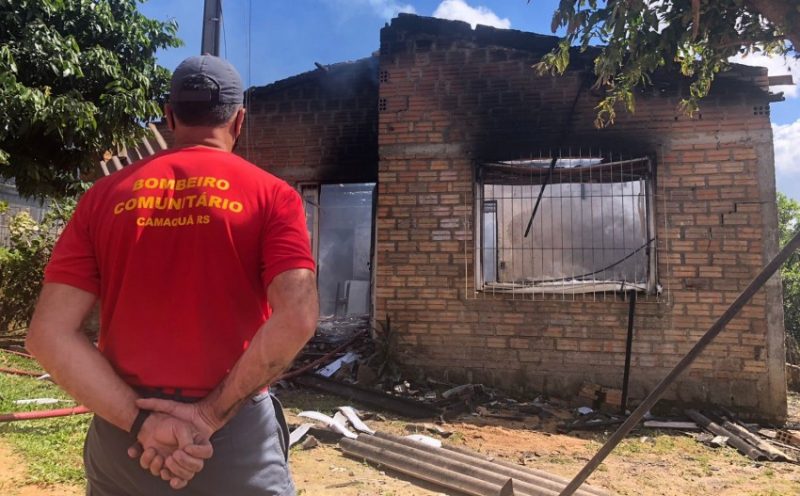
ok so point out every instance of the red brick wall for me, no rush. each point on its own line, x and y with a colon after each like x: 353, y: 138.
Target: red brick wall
x: 451, y: 97
x: 319, y: 126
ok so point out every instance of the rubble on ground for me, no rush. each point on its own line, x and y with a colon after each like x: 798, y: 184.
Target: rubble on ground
x: 354, y: 374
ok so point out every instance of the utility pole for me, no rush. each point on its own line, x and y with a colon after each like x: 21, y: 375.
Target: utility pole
x: 212, y: 17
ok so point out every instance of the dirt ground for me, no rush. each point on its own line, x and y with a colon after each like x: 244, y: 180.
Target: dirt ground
x: 13, y: 478
x: 648, y: 463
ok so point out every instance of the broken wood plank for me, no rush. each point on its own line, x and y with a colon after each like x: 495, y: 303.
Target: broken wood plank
x: 671, y: 424
x: 157, y: 135
x: 784, y: 80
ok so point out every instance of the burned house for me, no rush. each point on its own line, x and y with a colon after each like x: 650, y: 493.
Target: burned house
x: 472, y: 205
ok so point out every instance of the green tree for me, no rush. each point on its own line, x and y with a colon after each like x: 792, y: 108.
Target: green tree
x: 639, y: 37
x: 788, y: 223
x: 76, y: 77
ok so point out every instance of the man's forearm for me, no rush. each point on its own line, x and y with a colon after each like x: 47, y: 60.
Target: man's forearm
x: 81, y: 370
x: 273, y: 348
x: 272, y: 351
x: 54, y: 338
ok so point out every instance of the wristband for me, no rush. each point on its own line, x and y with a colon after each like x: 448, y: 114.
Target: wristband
x: 139, y: 422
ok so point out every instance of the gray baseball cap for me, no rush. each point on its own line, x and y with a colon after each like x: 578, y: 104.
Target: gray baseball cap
x: 218, y: 71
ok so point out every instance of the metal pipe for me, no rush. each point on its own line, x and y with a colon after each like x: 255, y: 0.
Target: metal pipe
x: 489, y: 474
x: 767, y: 272
x: 524, y: 471
x: 626, y: 374
x: 42, y: 414
x: 370, y: 397
x: 421, y: 470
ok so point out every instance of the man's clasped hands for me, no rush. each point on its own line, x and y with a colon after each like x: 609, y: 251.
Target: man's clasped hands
x: 174, y: 440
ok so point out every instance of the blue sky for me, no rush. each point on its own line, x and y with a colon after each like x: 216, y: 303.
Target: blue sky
x: 268, y: 40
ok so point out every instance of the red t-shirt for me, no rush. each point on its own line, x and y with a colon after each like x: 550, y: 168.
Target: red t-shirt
x: 180, y: 248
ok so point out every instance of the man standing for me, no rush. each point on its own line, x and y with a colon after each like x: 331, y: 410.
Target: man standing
x: 202, y: 264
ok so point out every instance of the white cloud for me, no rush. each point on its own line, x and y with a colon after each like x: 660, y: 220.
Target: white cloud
x: 460, y: 10
x: 777, y: 66
x: 786, y: 138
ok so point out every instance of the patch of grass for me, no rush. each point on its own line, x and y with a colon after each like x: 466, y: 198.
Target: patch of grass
x: 559, y: 459
x: 456, y: 438
x: 51, y: 448
x: 630, y: 447
x: 301, y: 400
x: 704, y: 464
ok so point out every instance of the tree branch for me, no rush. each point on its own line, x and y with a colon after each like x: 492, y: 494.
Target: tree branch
x: 781, y: 13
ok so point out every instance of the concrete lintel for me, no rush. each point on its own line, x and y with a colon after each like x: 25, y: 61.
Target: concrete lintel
x: 435, y: 150
x: 723, y: 138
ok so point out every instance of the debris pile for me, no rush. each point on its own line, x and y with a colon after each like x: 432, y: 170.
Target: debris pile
x: 595, y: 407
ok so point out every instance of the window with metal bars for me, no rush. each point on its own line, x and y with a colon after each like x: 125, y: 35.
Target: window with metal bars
x: 565, y: 225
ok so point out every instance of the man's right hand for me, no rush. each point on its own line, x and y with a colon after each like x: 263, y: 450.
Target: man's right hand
x: 171, y: 448
x: 198, y: 414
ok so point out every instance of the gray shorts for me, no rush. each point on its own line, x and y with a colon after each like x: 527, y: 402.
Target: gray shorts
x: 250, y: 458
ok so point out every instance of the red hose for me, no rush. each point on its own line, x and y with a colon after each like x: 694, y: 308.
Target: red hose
x: 63, y: 412
x: 42, y: 414
x: 31, y: 373
x: 19, y: 353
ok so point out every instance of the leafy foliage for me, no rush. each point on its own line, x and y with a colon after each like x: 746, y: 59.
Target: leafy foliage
x: 788, y: 224
x: 640, y: 37
x: 76, y: 77
x: 22, y: 262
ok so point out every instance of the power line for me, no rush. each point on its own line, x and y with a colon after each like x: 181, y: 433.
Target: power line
x: 248, y: 94
x: 222, y: 23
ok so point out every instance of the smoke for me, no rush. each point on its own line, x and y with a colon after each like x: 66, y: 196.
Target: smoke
x: 578, y: 230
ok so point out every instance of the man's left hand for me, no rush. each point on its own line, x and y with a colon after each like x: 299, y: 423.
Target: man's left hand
x: 193, y: 414
x: 171, y: 448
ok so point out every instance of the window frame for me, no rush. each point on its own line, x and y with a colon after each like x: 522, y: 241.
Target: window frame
x: 650, y: 286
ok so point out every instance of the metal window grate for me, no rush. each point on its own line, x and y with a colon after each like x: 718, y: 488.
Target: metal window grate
x: 592, y: 231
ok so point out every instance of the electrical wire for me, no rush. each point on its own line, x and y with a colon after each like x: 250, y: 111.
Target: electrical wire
x: 248, y: 93
x: 607, y: 267
x: 222, y: 24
